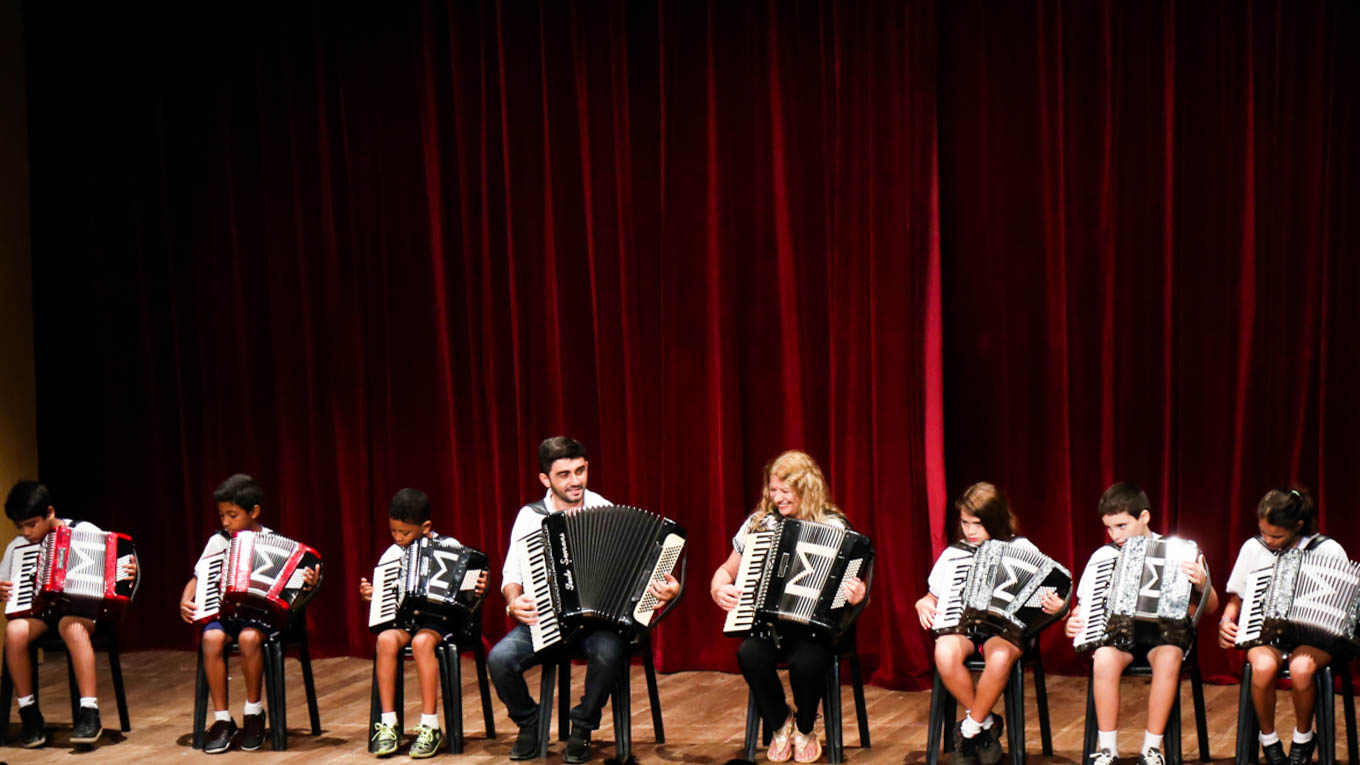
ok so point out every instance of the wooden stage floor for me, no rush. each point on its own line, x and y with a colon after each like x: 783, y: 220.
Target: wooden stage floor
x: 704, y: 718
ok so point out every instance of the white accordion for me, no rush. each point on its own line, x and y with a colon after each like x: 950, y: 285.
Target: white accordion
x: 1305, y: 597
x: 996, y: 591
x: 1145, y: 584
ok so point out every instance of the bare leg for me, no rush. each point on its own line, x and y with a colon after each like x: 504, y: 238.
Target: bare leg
x: 950, y: 653
x: 215, y: 666
x: 427, y: 669
x: 1000, y: 655
x: 390, y: 643
x: 252, y: 662
x: 18, y: 634
x: 1304, y: 664
x: 75, y: 630
x: 1107, y: 666
x: 1265, y: 665
x: 1166, y: 683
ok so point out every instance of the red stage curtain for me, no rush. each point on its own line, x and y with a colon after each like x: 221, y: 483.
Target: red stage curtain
x: 351, y: 251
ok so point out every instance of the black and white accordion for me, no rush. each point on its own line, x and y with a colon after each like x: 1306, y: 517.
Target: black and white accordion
x: 429, y: 580
x: 1305, y: 597
x: 262, y: 578
x: 791, y: 577
x: 996, y: 590
x: 73, y: 571
x: 1143, y: 584
x: 594, y: 566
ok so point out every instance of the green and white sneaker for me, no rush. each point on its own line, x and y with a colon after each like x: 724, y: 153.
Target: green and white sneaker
x: 384, y: 741
x: 427, y: 742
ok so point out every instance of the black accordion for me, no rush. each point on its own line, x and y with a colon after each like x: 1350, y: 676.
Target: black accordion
x: 594, y: 566
x: 996, y: 590
x: 428, y: 580
x: 791, y: 577
x: 1305, y: 598
x: 1143, y: 585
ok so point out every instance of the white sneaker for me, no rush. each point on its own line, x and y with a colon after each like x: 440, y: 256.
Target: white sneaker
x: 1152, y: 756
x: 1104, y: 757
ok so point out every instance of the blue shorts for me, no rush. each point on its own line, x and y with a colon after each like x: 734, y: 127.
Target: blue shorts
x: 232, y: 627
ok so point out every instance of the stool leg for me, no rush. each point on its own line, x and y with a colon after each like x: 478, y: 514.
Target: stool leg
x: 951, y: 713
x: 119, y: 694
x: 399, y: 692
x: 1016, y: 693
x: 1171, y: 742
x: 374, y: 704
x: 752, y: 725
x: 564, y: 699
x: 623, y: 715
x: 450, y: 677
x: 1348, y: 702
x: 308, y: 683
x: 653, y: 697
x: 1041, y: 702
x: 484, y: 687
x: 70, y: 684
x: 6, y: 696
x: 1246, y: 720
x: 935, y: 721
x: 277, y: 698
x: 200, y: 702
x: 1324, y: 722
x: 545, y: 702
x: 1201, y: 716
x: 1089, y: 739
x: 861, y: 709
x: 831, y: 711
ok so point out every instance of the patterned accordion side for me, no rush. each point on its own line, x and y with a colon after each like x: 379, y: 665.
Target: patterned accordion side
x: 1004, y: 588
x: 431, y: 579
x: 792, y: 576
x: 1306, y: 597
x: 594, y: 567
x: 263, y: 577
x: 75, y: 572
x: 1144, y: 584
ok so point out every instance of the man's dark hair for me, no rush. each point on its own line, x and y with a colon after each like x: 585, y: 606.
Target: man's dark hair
x: 28, y: 499
x: 240, y: 490
x: 558, y: 448
x: 1124, y: 497
x: 409, y: 506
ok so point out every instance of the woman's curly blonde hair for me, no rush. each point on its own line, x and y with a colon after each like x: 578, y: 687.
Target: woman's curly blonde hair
x: 802, y: 474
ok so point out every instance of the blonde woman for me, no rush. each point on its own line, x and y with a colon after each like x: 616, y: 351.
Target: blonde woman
x: 793, y: 488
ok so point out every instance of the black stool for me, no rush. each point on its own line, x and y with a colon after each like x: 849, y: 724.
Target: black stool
x: 1172, y: 737
x: 620, y: 700
x: 275, y: 697
x: 944, y: 707
x: 451, y: 687
x: 104, y: 638
x: 1324, y: 714
x: 845, y: 650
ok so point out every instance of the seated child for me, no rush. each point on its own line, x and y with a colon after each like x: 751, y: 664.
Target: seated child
x: 408, y: 519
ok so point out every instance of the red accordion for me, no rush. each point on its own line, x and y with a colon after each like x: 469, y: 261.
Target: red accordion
x: 263, y: 578
x: 79, y: 573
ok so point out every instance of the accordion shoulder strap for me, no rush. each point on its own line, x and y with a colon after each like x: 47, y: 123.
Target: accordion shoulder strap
x: 540, y: 507
x: 1316, y: 541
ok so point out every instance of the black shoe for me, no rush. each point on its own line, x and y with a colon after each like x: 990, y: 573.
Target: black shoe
x: 989, y: 743
x: 252, y: 732
x: 1275, y: 754
x: 578, y: 746
x: 87, y: 728
x: 220, y: 736
x: 965, y: 749
x: 526, y: 743
x: 34, y: 735
x: 1302, y: 754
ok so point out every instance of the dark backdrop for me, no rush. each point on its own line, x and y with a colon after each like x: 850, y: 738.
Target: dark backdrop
x: 1046, y: 244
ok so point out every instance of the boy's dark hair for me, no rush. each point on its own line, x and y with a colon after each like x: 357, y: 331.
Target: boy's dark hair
x: 1124, y: 497
x: 409, y: 506
x: 558, y: 448
x: 987, y: 502
x: 28, y: 499
x: 240, y: 490
x: 1286, y: 507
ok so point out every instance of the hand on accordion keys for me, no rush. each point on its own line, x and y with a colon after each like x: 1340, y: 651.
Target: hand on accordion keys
x: 1075, y: 622
x: 664, y: 591
x: 1197, y: 572
x: 366, y: 589
x: 854, y: 590
x: 925, y: 611
x: 128, y: 569
x: 310, y: 576
x: 727, y: 596
x: 479, y: 590
x: 1049, y: 601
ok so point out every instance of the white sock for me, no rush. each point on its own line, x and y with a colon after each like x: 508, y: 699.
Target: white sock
x: 1269, y: 738
x: 1303, y: 736
x: 988, y: 722
x: 254, y: 708
x: 222, y: 714
x: 430, y: 721
x: 970, y: 727
x: 389, y: 718
x: 1108, y: 740
x: 26, y: 700
x: 89, y: 701
x: 1151, y: 741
